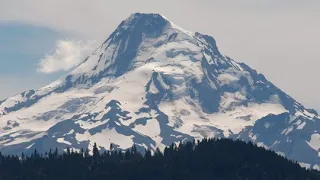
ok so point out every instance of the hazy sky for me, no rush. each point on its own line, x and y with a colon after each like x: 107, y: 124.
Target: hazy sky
x: 279, y: 38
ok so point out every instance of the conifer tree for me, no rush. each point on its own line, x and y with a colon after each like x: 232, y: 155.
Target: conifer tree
x: 95, y: 150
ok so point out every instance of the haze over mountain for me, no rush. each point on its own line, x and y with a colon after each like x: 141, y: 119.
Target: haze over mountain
x: 152, y: 83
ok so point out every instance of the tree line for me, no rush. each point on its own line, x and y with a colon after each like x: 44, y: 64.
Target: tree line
x: 214, y: 159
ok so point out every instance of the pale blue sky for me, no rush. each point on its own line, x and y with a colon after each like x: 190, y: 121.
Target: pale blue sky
x: 279, y: 38
x: 21, y: 48
x: 27, y: 42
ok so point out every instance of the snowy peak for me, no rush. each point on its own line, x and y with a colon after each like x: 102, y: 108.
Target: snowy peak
x: 147, y: 24
x: 144, y: 38
x: 152, y: 83
x: 135, y: 43
x: 116, y: 55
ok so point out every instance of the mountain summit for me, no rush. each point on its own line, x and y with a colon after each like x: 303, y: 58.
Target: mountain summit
x: 152, y: 83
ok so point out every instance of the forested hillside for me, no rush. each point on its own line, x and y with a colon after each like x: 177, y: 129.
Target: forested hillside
x: 222, y: 159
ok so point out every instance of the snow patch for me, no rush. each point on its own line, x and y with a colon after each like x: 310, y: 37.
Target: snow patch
x: 305, y: 165
x: 301, y: 126
x: 30, y: 146
x: 225, y: 79
x: 61, y: 140
x: 287, y: 130
x: 314, y: 143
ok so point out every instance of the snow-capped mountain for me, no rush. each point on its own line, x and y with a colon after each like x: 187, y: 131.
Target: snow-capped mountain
x: 151, y: 83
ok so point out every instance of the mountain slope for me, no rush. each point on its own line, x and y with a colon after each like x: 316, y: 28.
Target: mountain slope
x: 152, y: 83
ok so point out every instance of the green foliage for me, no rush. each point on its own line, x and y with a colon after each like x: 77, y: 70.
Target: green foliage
x: 214, y: 159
